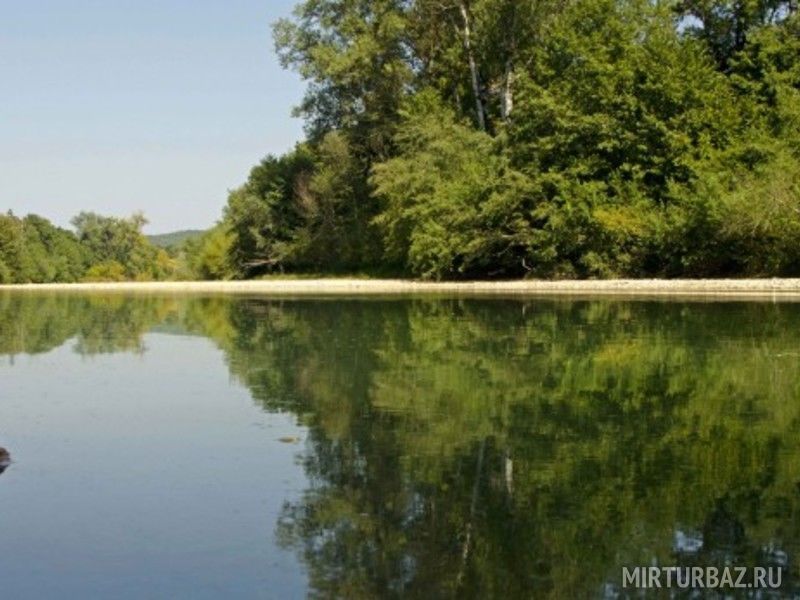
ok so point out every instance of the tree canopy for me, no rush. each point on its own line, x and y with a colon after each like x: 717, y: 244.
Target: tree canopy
x: 554, y: 138
x: 33, y: 250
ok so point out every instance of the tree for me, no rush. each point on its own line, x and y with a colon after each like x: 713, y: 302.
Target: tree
x: 54, y: 254
x: 582, y: 139
x: 33, y: 250
x: 11, y: 248
x: 207, y: 257
x: 446, y: 194
x: 337, y: 209
x: 111, y: 240
x: 726, y: 25
x: 263, y: 216
x: 355, y: 56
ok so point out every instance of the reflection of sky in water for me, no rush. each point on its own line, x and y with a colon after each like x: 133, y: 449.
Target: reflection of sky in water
x: 687, y: 542
x: 142, y: 472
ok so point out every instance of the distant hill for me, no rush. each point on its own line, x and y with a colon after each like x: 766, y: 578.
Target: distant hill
x: 175, y: 238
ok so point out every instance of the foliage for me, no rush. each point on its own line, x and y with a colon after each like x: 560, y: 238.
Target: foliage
x: 449, y: 196
x: 495, y: 138
x: 105, y: 272
x: 114, y: 242
x: 354, y: 55
x: 207, y: 256
x: 727, y: 26
x: 33, y: 250
x: 263, y: 215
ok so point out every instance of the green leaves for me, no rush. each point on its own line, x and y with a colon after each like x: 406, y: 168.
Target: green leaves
x: 440, y: 193
x: 353, y: 53
x: 33, y: 250
x: 113, y: 242
x: 493, y: 138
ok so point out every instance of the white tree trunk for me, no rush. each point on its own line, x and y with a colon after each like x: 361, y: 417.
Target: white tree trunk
x: 473, y: 66
x: 465, y: 550
x: 507, y: 99
x: 507, y: 93
x: 509, y: 471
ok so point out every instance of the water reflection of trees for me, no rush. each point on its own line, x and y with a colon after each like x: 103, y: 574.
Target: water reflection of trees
x: 494, y: 448
x: 503, y: 448
x: 38, y: 323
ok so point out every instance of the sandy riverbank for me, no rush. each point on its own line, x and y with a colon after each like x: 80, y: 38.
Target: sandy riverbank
x: 783, y: 288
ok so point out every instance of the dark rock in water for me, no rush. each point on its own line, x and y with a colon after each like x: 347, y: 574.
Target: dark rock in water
x: 5, y: 459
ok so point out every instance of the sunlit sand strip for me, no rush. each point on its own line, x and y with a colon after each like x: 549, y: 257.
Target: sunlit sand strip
x: 769, y: 288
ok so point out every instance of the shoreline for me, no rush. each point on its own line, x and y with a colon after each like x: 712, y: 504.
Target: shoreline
x: 786, y: 289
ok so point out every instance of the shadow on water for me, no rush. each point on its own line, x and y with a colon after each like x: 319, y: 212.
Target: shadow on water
x: 488, y: 448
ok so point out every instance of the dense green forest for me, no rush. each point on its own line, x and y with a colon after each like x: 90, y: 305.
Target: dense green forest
x: 33, y: 250
x: 497, y: 138
x: 550, y: 138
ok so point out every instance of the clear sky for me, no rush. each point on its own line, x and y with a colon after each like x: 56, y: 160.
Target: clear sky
x: 153, y: 105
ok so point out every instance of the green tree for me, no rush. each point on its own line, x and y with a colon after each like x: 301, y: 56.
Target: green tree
x: 446, y: 195
x: 726, y: 25
x: 264, y: 215
x: 354, y: 56
x: 493, y: 138
x: 11, y: 248
x: 207, y: 257
x: 33, y: 250
x: 113, y: 241
x: 54, y: 253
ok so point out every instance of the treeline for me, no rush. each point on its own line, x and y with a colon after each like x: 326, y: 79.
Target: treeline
x: 550, y: 138
x: 33, y: 250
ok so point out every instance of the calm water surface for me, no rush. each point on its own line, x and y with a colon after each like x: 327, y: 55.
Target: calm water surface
x: 254, y: 448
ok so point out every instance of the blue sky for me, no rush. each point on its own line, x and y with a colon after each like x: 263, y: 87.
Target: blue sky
x: 153, y: 105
